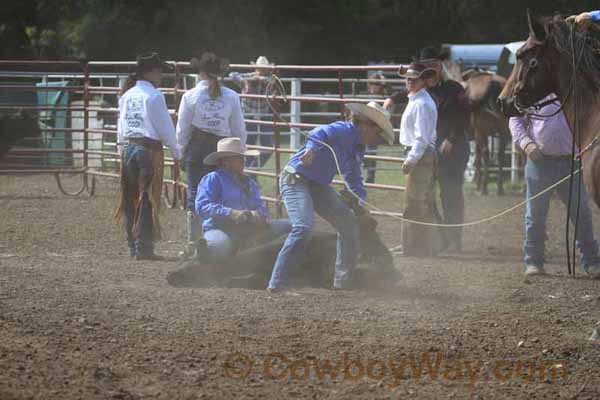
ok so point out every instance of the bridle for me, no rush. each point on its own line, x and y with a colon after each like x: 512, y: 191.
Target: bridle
x: 533, y: 65
x: 527, y: 110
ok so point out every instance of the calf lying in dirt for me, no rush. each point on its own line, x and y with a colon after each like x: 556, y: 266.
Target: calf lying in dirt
x: 252, y: 268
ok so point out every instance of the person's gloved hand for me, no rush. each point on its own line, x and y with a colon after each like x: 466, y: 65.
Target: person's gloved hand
x: 352, y: 201
x: 348, y: 197
x: 533, y: 152
x: 446, y: 147
x: 582, y: 20
x: 240, y: 216
x: 257, y: 218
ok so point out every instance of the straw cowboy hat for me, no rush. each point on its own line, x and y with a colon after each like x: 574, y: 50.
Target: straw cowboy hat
x: 376, y: 113
x: 227, y: 147
x: 261, y: 62
x: 416, y: 70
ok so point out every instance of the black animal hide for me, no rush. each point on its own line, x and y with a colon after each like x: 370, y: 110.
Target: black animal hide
x: 252, y: 268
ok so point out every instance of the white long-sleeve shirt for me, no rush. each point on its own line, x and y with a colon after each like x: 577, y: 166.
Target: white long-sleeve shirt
x: 143, y: 112
x: 418, y: 126
x: 221, y: 116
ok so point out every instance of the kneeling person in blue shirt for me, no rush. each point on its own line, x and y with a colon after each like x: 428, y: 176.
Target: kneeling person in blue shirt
x: 305, y: 188
x: 230, y: 204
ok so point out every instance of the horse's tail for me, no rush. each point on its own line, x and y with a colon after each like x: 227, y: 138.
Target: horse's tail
x: 591, y: 169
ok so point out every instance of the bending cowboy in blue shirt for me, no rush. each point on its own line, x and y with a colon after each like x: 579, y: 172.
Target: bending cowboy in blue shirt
x: 230, y: 204
x: 304, y: 185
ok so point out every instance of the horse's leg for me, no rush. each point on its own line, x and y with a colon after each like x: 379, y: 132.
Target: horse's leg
x: 477, y: 166
x: 485, y: 155
x: 501, y: 159
x: 477, y: 163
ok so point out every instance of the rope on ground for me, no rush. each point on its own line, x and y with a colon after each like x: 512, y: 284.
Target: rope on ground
x: 275, y: 80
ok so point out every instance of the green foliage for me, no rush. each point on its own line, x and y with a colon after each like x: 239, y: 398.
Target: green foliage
x: 293, y: 31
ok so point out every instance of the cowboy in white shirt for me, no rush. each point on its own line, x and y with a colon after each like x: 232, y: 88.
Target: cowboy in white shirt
x: 144, y: 125
x: 207, y: 113
x: 418, y: 135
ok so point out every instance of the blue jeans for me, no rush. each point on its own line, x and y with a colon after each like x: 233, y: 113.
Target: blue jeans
x: 138, y: 172
x: 196, y: 150
x: 261, y: 135
x: 539, y: 175
x: 222, y: 245
x: 450, y: 173
x: 302, y: 198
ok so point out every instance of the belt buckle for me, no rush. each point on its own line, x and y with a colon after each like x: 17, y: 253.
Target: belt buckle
x: 291, y: 177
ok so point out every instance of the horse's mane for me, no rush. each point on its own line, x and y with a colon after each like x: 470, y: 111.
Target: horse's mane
x: 585, y: 43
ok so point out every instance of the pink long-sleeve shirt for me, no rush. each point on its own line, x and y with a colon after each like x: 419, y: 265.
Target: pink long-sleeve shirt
x: 552, y: 135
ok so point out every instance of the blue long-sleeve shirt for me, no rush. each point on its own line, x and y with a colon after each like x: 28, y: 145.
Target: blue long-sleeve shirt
x: 219, y: 193
x: 344, y: 137
x: 595, y: 15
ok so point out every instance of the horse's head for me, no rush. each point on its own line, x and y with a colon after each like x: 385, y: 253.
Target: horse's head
x: 532, y: 77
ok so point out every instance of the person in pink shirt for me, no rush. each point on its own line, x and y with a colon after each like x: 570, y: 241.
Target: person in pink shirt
x: 548, y: 145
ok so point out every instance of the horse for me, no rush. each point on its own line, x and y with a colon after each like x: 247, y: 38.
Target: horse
x: 251, y: 268
x: 482, y: 89
x: 16, y: 126
x: 545, y: 66
x: 560, y: 58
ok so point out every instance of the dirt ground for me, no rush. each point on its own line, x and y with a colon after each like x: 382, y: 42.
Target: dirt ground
x: 80, y: 320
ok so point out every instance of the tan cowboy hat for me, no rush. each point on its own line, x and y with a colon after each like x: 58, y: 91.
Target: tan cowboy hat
x: 261, y: 62
x: 376, y: 113
x: 227, y: 147
x: 416, y: 70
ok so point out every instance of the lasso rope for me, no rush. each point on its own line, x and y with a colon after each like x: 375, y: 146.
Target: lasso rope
x: 276, y: 81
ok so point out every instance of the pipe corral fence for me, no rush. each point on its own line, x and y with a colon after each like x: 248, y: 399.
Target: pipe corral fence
x: 75, y: 104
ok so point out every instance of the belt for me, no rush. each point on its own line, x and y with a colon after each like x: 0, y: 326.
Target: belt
x: 429, y: 147
x: 147, y: 142
x: 291, y: 177
x: 558, y: 157
x: 200, y: 134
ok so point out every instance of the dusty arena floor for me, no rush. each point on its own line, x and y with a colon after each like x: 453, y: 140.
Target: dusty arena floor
x: 80, y: 320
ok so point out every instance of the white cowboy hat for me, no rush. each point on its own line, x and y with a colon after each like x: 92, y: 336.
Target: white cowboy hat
x: 227, y: 147
x: 261, y: 61
x: 376, y: 113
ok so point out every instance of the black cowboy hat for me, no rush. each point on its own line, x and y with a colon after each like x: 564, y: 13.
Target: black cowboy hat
x: 416, y: 70
x: 211, y: 64
x: 430, y: 53
x: 149, y: 61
